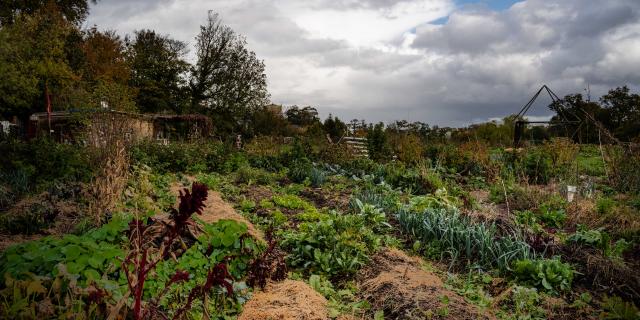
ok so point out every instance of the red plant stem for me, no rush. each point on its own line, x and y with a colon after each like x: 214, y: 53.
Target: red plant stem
x: 142, y: 274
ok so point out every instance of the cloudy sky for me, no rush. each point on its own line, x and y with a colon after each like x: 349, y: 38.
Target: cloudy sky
x: 443, y: 62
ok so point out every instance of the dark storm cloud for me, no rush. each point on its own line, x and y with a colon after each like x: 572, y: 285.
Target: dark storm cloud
x: 480, y: 64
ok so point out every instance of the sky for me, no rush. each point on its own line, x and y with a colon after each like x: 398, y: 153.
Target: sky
x: 442, y: 62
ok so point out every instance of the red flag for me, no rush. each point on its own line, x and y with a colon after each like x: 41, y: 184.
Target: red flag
x: 48, y: 97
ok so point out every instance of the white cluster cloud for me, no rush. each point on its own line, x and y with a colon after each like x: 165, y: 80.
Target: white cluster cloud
x: 383, y: 60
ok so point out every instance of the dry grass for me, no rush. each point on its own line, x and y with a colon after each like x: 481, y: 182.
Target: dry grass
x: 604, y: 274
x: 286, y: 300
x: 110, y: 150
x: 396, y: 283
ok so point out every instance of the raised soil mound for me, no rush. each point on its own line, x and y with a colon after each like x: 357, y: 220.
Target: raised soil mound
x: 396, y: 283
x: 288, y: 299
x: 218, y: 209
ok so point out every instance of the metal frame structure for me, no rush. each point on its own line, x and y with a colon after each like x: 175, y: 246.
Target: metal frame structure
x: 520, y: 124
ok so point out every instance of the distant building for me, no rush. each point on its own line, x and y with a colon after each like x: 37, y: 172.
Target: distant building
x: 69, y: 126
x: 274, y: 108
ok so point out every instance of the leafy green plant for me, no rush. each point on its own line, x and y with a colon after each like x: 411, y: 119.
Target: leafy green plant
x: 600, y: 239
x: 50, y: 298
x: 462, y: 240
x: 471, y: 287
x: 548, y: 274
x: 290, y: 201
x: 380, y: 196
x: 88, y: 257
x: 605, y: 205
x: 373, y: 216
x: 437, y: 200
x: 552, y: 212
x: 299, y: 170
x: 593, y: 237
x: 211, y: 180
x: 249, y: 175
x: 140, y: 263
x: 526, y: 304
x: 342, y: 301
x: 223, y: 241
x: 528, y: 219
x: 338, y: 245
x: 317, y: 177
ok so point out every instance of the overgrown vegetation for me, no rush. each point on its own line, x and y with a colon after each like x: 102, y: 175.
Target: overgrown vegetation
x: 91, y: 227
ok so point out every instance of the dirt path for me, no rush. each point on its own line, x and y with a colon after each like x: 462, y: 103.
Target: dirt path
x: 217, y: 209
x: 397, y: 284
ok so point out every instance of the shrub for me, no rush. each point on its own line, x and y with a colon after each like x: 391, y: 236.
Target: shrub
x: 625, y: 166
x: 30, y: 219
x: 249, y: 175
x: 519, y: 197
x: 300, y: 170
x: 187, y: 157
x: 536, y: 165
x: 27, y: 167
x: 548, y: 274
x: 408, y: 148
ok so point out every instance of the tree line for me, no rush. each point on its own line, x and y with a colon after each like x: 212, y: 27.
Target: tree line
x: 46, y: 56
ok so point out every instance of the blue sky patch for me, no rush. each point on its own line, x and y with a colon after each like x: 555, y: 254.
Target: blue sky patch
x: 497, y: 5
x: 492, y: 4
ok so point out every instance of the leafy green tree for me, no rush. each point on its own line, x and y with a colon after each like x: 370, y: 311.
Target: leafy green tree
x: 623, y: 109
x: 33, y: 62
x: 104, y: 58
x: 302, y: 116
x: 335, y: 128
x: 228, y: 81
x: 574, y: 108
x: 74, y: 11
x: 105, y: 72
x: 158, y: 71
x: 267, y: 122
x: 378, y: 145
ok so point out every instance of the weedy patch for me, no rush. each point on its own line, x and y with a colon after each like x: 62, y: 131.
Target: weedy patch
x: 396, y: 283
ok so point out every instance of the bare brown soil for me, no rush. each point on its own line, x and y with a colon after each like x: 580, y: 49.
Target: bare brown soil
x: 323, y: 198
x: 397, y: 284
x: 7, y: 240
x: 257, y: 193
x: 289, y: 299
x: 487, y: 211
x: 62, y: 215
